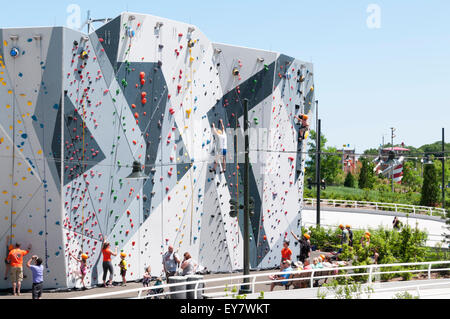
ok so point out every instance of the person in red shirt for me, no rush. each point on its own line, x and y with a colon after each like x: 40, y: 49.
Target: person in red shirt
x: 107, y: 264
x: 15, y: 258
x: 286, y: 252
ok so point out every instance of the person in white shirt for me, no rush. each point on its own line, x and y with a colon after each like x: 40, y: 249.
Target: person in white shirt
x: 222, y: 146
x: 189, y: 265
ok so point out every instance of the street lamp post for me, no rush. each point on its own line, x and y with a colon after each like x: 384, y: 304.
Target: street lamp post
x: 318, y: 179
x: 443, y: 169
x: 245, y: 288
x: 393, y: 165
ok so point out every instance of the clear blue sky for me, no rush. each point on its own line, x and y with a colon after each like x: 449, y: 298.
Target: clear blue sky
x: 367, y: 80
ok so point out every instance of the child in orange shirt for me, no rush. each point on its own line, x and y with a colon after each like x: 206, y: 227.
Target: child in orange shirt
x: 286, y: 252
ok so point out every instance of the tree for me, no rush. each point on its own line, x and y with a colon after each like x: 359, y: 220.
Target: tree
x: 430, y: 187
x: 411, y: 176
x: 349, y: 180
x: 330, y: 164
x: 366, y: 174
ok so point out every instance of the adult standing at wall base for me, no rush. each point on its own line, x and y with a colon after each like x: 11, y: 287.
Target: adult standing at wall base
x: 107, y: 263
x: 15, y: 258
x: 171, y: 261
x: 305, y: 246
x: 189, y: 266
x: 38, y: 276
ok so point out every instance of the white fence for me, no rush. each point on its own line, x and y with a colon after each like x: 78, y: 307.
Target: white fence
x: 310, y: 275
x: 402, y: 208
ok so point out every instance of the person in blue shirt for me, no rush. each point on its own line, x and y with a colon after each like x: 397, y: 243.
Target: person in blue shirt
x: 38, y: 276
x: 285, y: 267
x: 317, y: 264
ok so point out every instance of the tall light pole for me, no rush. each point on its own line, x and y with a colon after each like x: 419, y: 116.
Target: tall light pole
x: 392, y: 148
x: 318, y: 180
x: 245, y: 289
x: 443, y: 169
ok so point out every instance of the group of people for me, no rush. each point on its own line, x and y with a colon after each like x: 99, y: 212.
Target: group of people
x: 173, y: 265
x: 323, y: 262
x: 14, y: 265
x: 106, y: 265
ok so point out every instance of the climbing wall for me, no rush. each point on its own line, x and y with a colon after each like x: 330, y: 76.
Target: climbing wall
x: 77, y: 110
x: 30, y: 186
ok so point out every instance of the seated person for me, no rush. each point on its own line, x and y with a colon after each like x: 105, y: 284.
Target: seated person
x: 317, y: 264
x: 286, y: 267
x: 307, y: 265
x: 298, y: 265
x: 327, y: 262
x: 156, y: 291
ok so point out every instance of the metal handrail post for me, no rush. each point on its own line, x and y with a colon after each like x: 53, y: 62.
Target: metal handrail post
x: 312, y: 279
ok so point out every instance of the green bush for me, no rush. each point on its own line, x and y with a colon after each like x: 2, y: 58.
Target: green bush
x: 349, y: 180
x: 392, y: 246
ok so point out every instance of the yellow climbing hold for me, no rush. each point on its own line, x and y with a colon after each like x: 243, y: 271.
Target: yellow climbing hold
x: 5, y: 43
x: 39, y: 152
x: 29, y: 103
x: 8, y: 106
x: 30, y: 231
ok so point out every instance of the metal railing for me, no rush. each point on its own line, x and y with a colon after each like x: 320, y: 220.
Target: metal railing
x: 402, y: 208
x: 308, y: 275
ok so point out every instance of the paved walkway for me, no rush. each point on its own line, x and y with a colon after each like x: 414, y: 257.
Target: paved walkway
x: 227, y: 280
x: 363, y: 219
x: 430, y: 289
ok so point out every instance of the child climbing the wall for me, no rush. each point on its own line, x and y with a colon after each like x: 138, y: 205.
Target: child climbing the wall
x: 304, y: 126
x: 222, y: 144
x: 123, y: 268
x: 83, y: 267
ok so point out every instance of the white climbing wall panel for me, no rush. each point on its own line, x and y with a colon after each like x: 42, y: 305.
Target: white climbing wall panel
x: 77, y: 110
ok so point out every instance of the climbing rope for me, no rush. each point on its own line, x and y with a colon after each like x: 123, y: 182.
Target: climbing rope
x: 83, y: 157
